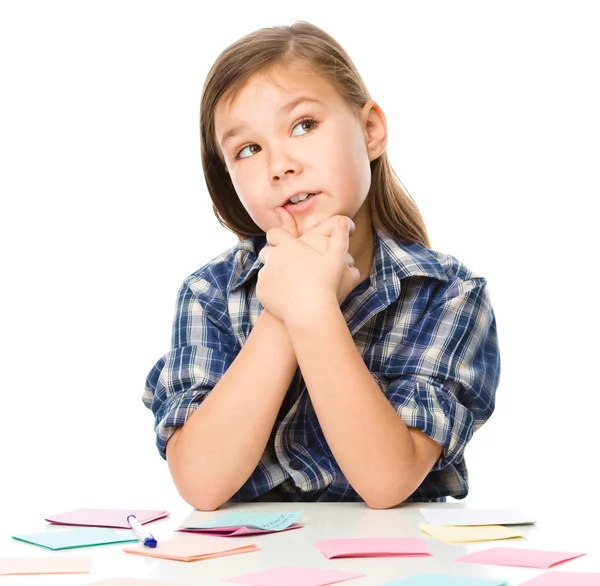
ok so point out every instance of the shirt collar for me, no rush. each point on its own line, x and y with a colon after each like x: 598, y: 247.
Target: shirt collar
x: 392, y: 262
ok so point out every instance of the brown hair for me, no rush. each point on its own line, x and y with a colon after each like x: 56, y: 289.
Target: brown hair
x: 391, y: 207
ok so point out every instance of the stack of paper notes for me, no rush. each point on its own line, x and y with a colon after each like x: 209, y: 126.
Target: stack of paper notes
x: 290, y: 576
x: 470, y: 525
x: 131, y: 582
x: 191, y: 548
x: 236, y: 524
x: 373, y: 547
x: 45, y: 565
x: 115, y: 518
x: 73, y: 538
x: 444, y: 580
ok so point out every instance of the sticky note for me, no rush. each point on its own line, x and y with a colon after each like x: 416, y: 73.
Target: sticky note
x: 528, y: 558
x: 75, y: 538
x: 115, y: 518
x: 192, y: 548
x: 373, y: 547
x: 444, y: 580
x: 466, y: 534
x: 235, y: 521
x: 131, y: 582
x: 291, y: 576
x: 45, y: 565
x: 476, y: 517
x: 564, y: 579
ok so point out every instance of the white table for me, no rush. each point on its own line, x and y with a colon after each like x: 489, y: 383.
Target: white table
x: 564, y: 528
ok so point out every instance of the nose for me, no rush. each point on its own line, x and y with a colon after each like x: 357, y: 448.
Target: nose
x: 282, y: 165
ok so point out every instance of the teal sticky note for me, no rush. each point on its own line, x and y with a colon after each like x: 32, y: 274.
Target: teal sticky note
x: 84, y: 537
x: 265, y: 521
x: 444, y: 580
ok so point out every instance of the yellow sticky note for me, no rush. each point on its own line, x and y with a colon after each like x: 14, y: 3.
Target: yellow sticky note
x: 465, y: 534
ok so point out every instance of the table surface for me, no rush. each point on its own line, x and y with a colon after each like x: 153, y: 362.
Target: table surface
x: 563, y: 528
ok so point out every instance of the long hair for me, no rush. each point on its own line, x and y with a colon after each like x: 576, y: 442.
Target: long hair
x: 391, y: 207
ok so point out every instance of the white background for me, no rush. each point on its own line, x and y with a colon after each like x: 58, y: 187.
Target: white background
x: 494, y: 128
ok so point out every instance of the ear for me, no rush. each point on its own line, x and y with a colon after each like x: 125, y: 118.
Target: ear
x: 375, y: 129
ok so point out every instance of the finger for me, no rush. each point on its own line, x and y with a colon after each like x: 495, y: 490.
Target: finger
x: 262, y: 255
x: 277, y: 236
x: 338, y: 243
x: 287, y: 221
x: 349, y: 260
x: 327, y: 227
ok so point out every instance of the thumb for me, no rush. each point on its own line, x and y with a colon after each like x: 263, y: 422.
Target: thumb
x: 338, y: 242
x: 287, y: 221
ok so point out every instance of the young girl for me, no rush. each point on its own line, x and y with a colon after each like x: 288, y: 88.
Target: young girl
x: 330, y: 355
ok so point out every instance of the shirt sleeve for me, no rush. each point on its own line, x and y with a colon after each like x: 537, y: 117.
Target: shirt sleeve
x: 202, y: 349
x: 444, y: 374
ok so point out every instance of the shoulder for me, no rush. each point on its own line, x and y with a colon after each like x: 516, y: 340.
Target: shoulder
x: 222, y: 273
x: 431, y: 271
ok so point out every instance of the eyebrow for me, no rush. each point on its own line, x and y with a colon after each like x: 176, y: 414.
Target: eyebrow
x: 285, y: 108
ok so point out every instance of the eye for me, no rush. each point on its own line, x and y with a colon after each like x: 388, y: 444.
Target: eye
x: 311, y: 123
x: 238, y: 154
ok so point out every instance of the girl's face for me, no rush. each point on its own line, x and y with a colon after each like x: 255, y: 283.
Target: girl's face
x: 289, y: 132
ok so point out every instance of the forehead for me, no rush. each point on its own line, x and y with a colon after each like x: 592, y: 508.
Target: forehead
x: 275, y: 86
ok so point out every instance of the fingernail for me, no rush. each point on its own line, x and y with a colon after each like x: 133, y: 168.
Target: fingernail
x: 344, y: 224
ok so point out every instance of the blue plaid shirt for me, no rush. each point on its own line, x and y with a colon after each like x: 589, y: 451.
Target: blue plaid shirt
x: 423, y: 324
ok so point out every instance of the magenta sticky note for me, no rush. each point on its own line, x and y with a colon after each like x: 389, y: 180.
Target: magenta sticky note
x: 564, y: 579
x: 373, y: 547
x: 528, y: 558
x: 116, y: 518
x: 236, y: 531
x: 291, y: 576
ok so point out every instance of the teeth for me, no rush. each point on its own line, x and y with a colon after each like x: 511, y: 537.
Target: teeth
x: 300, y: 197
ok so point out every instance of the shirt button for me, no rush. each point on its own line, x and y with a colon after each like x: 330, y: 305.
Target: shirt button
x: 295, y: 464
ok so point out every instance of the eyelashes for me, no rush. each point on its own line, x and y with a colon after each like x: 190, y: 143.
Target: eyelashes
x: 310, y: 119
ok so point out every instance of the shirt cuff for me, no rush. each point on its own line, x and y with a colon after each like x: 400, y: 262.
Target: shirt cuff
x: 432, y: 408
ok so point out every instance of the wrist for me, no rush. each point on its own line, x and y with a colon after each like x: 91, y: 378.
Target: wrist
x: 311, y: 313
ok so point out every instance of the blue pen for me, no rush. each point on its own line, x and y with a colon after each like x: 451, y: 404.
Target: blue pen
x: 144, y: 536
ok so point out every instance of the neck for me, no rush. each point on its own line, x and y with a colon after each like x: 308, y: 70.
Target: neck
x: 361, y: 242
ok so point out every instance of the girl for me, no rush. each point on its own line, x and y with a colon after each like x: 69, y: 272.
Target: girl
x: 330, y: 355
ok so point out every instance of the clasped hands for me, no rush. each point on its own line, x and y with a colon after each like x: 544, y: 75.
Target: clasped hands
x: 303, y: 274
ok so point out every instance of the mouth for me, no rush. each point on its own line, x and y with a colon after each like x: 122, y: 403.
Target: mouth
x: 300, y: 202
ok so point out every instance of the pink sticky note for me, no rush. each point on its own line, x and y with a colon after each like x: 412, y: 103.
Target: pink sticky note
x: 45, y: 565
x: 116, y: 518
x: 295, y: 577
x: 564, y: 579
x: 373, y: 547
x: 237, y: 531
x: 131, y: 582
x: 528, y: 558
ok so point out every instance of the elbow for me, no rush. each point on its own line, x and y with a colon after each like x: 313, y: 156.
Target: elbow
x: 199, y: 498
x: 386, y: 497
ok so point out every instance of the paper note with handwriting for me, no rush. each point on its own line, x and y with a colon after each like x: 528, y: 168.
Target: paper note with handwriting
x: 564, y: 579
x: 191, y: 548
x: 444, y: 580
x: 468, y: 533
x: 131, y: 582
x: 527, y: 558
x: 291, y: 576
x: 241, y: 523
x: 45, y: 565
x: 475, y: 517
x: 115, y: 518
x: 363, y: 547
x: 71, y: 538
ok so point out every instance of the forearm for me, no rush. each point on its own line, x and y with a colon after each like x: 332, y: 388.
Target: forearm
x: 370, y: 442
x: 221, y: 443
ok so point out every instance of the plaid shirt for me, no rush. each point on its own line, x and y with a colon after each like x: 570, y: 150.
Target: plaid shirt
x: 423, y: 325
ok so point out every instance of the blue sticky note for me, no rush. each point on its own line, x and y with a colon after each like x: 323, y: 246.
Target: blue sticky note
x: 84, y: 537
x: 265, y: 521
x: 444, y: 580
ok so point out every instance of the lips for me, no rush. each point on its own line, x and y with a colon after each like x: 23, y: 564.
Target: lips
x: 287, y: 199
x: 297, y: 208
